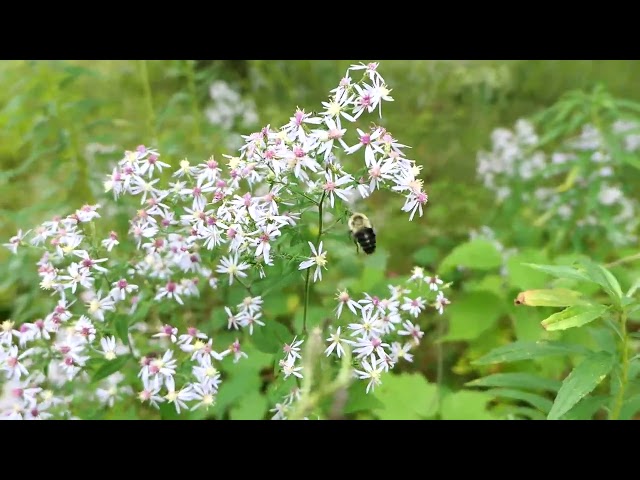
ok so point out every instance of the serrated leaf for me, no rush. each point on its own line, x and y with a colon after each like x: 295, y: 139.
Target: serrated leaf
x: 575, y: 316
x: 580, y: 382
x: 477, y: 254
x: 549, y: 297
x: 516, y: 380
x: 408, y: 396
x: 109, y: 367
x: 538, y: 401
x: 528, y: 350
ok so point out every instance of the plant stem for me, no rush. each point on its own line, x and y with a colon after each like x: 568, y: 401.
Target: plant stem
x: 307, y: 283
x: 195, y: 111
x: 627, y: 259
x: 146, y: 88
x: 624, y: 377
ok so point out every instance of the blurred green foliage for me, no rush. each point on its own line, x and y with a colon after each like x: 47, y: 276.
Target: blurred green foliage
x: 63, y: 124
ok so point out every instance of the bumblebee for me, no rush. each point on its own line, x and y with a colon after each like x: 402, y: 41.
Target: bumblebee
x: 362, y: 232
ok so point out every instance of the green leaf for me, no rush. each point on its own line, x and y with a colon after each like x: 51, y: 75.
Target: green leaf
x: 234, y: 388
x: 630, y: 407
x: 466, y: 405
x: 250, y: 407
x: 586, y: 408
x: 560, y: 271
x: 477, y: 254
x: 520, y: 275
x: 530, y: 413
x: 550, y: 297
x: 580, y: 382
x: 109, y: 367
x: 408, y: 396
x: 472, y: 314
x: 604, y: 278
x: 271, y: 337
x: 528, y: 350
x: 516, y: 380
x: 538, y: 401
x: 574, y: 316
x: 359, y: 401
x: 426, y: 255
x: 121, y: 323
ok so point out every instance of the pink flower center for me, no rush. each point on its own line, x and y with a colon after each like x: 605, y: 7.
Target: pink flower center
x: 122, y: 283
x: 212, y: 164
x: 68, y: 361
x: 299, y: 117
x: 39, y: 324
x: 329, y: 186
x: 152, y: 159
x: 365, y: 100
x: 153, y: 369
x: 17, y: 392
x: 334, y: 133
x: 298, y: 152
x: 192, y: 331
x: 211, y: 220
x: 365, y: 139
x: 264, y: 238
x: 64, y: 349
x: 12, y: 361
x: 171, y: 287
x: 168, y: 329
x: 375, y: 342
x: 197, y: 192
x: 231, y: 233
x: 422, y: 198
x: 141, y: 148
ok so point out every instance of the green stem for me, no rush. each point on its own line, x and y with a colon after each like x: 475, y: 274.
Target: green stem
x: 195, y: 111
x: 307, y: 282
x: 146, y: 88
x: 627, y: 259
x: 624, y: 377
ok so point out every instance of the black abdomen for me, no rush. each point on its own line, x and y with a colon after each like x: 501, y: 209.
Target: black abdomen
x: 366, y: 237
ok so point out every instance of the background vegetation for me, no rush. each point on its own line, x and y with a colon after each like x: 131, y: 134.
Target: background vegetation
x: 63, y: 125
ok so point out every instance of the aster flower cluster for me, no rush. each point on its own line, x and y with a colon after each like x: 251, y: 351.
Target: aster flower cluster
x: 379, y: 331
x: 580, y: 183
x: 238, y: 217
